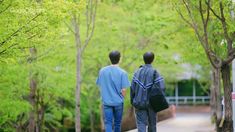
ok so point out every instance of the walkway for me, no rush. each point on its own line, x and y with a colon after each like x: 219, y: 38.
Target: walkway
x: 186, y: 122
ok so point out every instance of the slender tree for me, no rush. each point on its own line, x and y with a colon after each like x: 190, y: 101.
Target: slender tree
x: 91, y: 6
x: 33, y: 79
x: 32, y: 94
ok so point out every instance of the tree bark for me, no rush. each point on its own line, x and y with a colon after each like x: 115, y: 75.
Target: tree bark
x: 92, y: 118
x: 216, y: 98
x: 78, y: 90
x: 41, y: 120
x: 90, y: 19
x: 33, y: 89
x: 40, y: 112
x: 78, y: 71
x: 32, y: 94
x: 228, y: 123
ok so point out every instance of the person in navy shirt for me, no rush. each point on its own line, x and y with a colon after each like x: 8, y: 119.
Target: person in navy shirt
x: 113, y: 82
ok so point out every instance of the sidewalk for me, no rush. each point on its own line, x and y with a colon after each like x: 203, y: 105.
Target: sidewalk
x: 186, y: 122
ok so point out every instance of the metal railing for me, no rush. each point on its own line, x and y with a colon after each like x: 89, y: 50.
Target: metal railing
x: 188, y: 100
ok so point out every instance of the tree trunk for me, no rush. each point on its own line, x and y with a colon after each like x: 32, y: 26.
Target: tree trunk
x: 37, y: 111
x: 78, y: 90
x: 19, y: 129
x: 78, y: 69
x: 33, y: 86
x: 216, y: 98
x: 90, y: 19
x: 92, y: 119
x: 228, y: 123
x: 40, y: 118
x: 32, y: 95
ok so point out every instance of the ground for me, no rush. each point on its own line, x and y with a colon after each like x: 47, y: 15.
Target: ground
x: 187, y: 120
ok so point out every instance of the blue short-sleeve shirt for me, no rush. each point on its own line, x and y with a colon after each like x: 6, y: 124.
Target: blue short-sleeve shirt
x: 111, y: 80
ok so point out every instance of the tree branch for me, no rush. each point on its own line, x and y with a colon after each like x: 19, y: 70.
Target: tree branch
x: 203, y: 41
x: 93, y: 14
x: 225, y: 29
x: 91, y: 11
x: 88, y: 16
x: 216, y: 62
x: 18, y: 30
x: 69, y: 27
x: 76, y: 31
x: 32, y: 36
x: 230, y: 57
x: 208, y: 5
x: 205, y: 23
x: 208, y: 13
x: 201, y: 12
x: 194, y: 24
x: 44, y: 54
x: 184, y: 19
x: 26, y: 31
x: 9, y: 47
x: 6, y: 7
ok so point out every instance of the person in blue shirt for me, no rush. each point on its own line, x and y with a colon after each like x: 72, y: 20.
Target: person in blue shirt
x: 113, y: 82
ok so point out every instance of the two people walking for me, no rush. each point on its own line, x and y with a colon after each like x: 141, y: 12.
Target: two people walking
x: 113, y: 82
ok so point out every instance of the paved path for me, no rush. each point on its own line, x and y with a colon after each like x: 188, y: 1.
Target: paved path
x: 186, y: 122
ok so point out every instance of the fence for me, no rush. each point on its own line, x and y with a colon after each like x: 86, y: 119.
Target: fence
x: 188, y: 100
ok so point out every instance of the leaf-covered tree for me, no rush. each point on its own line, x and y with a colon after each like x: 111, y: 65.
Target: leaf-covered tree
x: 213, y: 26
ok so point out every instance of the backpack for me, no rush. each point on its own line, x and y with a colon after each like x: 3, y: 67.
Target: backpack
x: 141, y: 86
x: 157, y: 97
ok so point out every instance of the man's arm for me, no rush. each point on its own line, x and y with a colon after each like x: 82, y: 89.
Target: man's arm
x: 125, y: 84
x: 124, y: 92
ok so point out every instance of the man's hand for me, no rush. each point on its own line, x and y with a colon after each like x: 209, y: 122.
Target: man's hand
x: 123, y: 92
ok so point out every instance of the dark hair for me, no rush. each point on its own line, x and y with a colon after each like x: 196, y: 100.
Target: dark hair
x: 148, y: 57
x: 114, y: 56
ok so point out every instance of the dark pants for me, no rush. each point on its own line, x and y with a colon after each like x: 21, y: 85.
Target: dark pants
x: 146, y: 118
x: 113, y: 113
